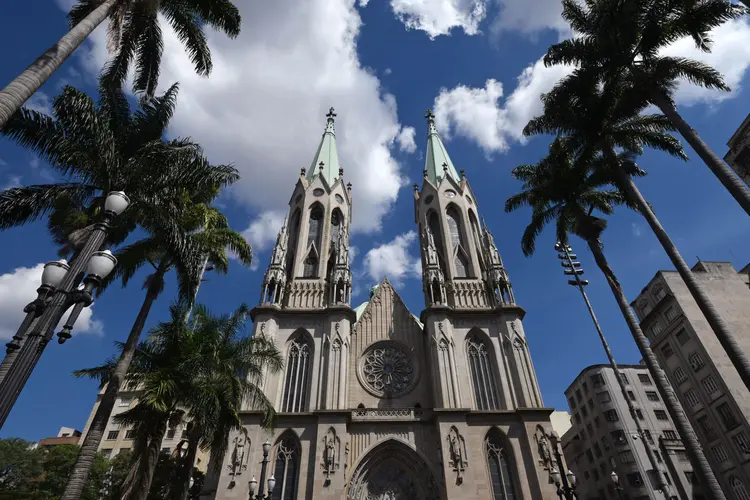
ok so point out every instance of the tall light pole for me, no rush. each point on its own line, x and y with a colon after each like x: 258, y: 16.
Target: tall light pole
x: 253, y: 484
x: 568, y: 488
x: 98, y: 264
x: 615, y: 479
x: 573, y: 268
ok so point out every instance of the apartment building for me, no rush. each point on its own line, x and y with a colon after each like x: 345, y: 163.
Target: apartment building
x: 707, y: 384
x: 738, y: 156
x: 604, y: 438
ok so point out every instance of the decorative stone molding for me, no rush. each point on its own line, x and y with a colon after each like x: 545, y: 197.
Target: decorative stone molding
x: 331, y: 454
x: 387, y: 414
x: 458, y: 457
x: 238, y: 463
x: 388, y: 369
x: 469, y: 294
x: 543, y: 448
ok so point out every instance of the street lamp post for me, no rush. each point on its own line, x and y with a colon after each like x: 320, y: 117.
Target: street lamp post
x: 253, y: 484
x: 615, y: 479
x: 573, y: 268
x: 98, y: 265
x: 567, y: 489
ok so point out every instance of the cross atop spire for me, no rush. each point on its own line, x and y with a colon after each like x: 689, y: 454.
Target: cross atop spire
x: 331, y: 114
x: 430, y: 115
x: 437, y: 162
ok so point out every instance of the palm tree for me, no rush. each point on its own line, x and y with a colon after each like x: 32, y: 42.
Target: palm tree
x: 203, y: 371
x: 566, y: 191
x: 600, y: 119
x: 98, y: 147
x: 626, y: 40
x: 134, y: 33
x: 171, y: 244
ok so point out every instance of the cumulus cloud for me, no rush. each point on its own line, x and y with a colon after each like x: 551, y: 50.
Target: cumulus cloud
x: 393, y: 260
x: 263, y: 106
x: 40, y: 102
x: 18, y: 288
x: 405, y: 139
x: 11, y: 182
x: 439, y: 17
x: 481, y: 115
x: 529, y: 17
x: 262, y: 232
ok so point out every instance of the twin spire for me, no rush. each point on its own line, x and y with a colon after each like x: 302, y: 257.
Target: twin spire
x: 326, y: 160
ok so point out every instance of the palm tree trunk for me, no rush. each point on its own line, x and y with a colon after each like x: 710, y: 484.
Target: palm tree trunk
x: 82, y: 467
x: 142, y: 473
x: 185, y: 472
x: 663, y: 486
x: 697, y: 458
x: 27, y: 83
x: 718, y: 325
x: 736, y: 187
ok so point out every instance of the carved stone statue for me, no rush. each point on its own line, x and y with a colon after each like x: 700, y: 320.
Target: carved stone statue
x: 457, y: 450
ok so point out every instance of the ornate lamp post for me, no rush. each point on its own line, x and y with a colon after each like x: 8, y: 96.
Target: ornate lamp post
x: 568, y: 488
x: 615, y: 479
x: 66, y: 294
x: 253, y: 484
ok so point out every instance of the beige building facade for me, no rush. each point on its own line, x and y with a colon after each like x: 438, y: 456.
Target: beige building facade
x: 377, y: 403
x: 738, y: 156
x: 705, y: 381
x: 605, y: 439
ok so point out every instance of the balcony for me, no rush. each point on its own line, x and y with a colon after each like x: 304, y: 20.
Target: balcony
x: 387, y: 414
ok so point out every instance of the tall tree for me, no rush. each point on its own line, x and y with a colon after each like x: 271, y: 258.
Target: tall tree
x: 134, y: 35
x: 626, y: 41
x: 564, y: 190
x: 98, y: 147
x: 172, y: 243
x: 603, y: 119
x: 204, y: 371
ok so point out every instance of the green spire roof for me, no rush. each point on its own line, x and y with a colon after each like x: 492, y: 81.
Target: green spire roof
x: 326, y: 154
x: 437, y: 158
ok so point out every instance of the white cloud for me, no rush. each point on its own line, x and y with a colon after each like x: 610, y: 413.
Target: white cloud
x: 11, y: 182
x: 363, y: 3
x: 439, y: 17
x: 18, y: 288
x: 636, y: 229
x: 392, y: 260
x: 40, y: 102
x: 262, y: 232
x: 730, y: 55
x: 529, y: 17
x: 263, y: 106
x: 481, y: 115
x: 387, y: 71
x: 405, y: 139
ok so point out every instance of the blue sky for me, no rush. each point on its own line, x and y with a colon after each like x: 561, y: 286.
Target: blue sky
x: 381, y: 64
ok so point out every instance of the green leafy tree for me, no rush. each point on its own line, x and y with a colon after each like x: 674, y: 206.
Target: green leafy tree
x: 595, y: 119
x: 624, y: 42
x: 134, y: 36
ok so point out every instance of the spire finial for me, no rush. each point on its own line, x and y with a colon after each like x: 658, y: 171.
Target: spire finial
x: 445, y: 167
x: 331, y: 114
x: 341, y: 172
x: 430, y: 116
x: 321, y: 165
x: 302, y: 171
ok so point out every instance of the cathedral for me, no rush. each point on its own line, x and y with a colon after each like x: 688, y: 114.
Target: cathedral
x: 375, y: 403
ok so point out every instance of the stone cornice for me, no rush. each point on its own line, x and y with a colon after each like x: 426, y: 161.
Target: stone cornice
x: 277, y: 311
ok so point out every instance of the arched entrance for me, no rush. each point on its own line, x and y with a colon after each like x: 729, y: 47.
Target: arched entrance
x: 393, y: 471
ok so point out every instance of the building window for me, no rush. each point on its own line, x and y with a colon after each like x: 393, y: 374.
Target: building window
x: 483, y: 382
x: 590, y: 429
x: 597, y: 450
x: 183, y: 434
x: 627, y: 457
x: 597, y: 421
x: 679, y: 375
x: 171, y: 432
x: 597, y: 380
x: 727, y: 416
x: 639, y: 413
x: 578, y: 418
x: 660, y: 415
x: 738, y: 488
x: 635, y: 479
x: 649, y: 438
x: 656, y: 328
x: 709, y: 385
x: 477, y: 238
x: 458, y: 246
x: 579, y: 397
x: 572, y: 403
x: 743, y: 445
x: 682, y: 336
x: 591, y: 404
x: 293, y: 237
x: 584, y: 411
x: 631, y: 396
x: 618, y: 437
x: 670, y: 313
x: 624, y: 378
x: 611, y: 416
x: 691, y: 477
x: 286, y: 470
x: 130, y: 434
x: 720, y: 453
x: 692, y: 397
x: 297, y: 374
x: 659, y: 294
x: 106, y: 452
x: 585, y: 388
x: 652, y: 396
x: 126, y: 401
x: 314, y: 238
x: 657, y: 455
x: 605, y: 442
x: 165, y: 450
x: 670, y: 435
x: 681, y: 455
x: 604, y: 397
x: 696, y: 361
x: 667, y: 351
x: 498, y: 461
x: 706, y: 427
x: 596, y: 475
x: 590, y: 456
x: 111, y: 435
x: 644, y: 379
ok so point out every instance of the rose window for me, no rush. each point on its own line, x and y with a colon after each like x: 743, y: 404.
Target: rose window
x: 387, y: 369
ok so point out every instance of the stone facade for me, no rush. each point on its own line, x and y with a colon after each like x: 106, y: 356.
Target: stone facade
x: 738, y: 156
x: 708, y: 386
x: 373, y: 402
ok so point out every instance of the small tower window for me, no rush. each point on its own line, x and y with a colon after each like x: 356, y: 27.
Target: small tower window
x: 458, y: 247
x: 286, y: 470
x: 499, y: 463
x: 297, y: 374
x: 437, y: 234
x: 314, y: 235
x: 482, y: 379
x: 293, y: 238
x: 477, y: 238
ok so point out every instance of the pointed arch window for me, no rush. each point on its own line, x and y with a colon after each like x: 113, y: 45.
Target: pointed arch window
x: 499, y: 464
x: 337, y: 220
x: 286, y: 469
x: 297, y: 375
x: 434, y: 224
x: 458, y: 246
x: 293, y: 238
x: 482, y: 378
x: 738, y: 488
x: 477, y: 238
x: 314, y: 237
